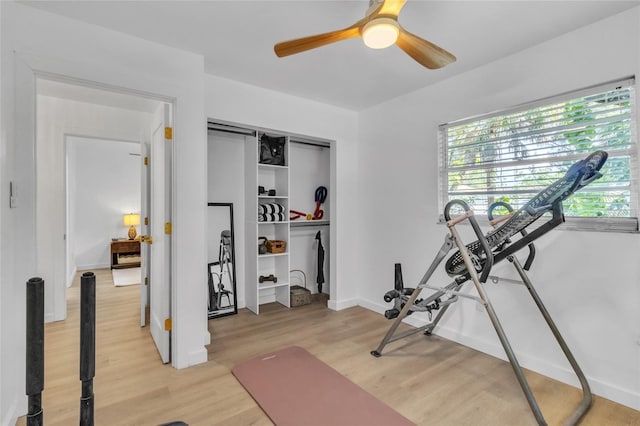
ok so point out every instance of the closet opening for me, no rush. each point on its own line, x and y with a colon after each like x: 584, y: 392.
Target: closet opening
x: 282, y: 256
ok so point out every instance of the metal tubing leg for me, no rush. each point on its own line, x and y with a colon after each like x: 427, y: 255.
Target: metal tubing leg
x: 442, y: 253
x: 585, y: 404
x: 498, y: 327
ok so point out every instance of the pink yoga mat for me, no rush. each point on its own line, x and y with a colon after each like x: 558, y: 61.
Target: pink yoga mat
x: 295, y: 388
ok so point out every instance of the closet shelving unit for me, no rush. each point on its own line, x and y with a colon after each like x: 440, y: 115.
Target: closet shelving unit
x: 270, y: 177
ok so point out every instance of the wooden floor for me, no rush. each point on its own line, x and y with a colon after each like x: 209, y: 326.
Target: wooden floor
x: 430, y: 380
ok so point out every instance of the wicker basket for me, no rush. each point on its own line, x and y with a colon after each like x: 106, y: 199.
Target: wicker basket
x: 276, y: 246
x: 300, y: 295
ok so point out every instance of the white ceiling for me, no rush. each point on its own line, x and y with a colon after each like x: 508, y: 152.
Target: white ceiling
x: 236, y: 38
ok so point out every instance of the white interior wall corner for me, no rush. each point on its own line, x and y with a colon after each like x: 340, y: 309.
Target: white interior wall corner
x: 235, y: 102
x: 80, y: 52
x: 572, y: 270
x: 11, y: 336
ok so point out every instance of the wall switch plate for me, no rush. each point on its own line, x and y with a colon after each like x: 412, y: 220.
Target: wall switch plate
x: 13, y: 200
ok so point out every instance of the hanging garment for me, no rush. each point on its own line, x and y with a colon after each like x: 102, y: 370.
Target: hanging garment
x: 320, y: 276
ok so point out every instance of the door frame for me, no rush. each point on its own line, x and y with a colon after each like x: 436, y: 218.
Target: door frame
x: 26, y: 71
x: 145, y: 189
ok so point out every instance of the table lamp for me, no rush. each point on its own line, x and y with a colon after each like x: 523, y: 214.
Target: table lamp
x: 131, y: 220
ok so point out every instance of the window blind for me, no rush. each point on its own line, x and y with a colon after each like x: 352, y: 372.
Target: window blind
x: 512, y: 155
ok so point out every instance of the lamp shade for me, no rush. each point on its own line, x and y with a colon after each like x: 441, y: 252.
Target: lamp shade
x: 131, y: 219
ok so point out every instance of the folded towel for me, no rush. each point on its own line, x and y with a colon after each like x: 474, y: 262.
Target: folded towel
x: 270, y: 208
x: 271, y: 217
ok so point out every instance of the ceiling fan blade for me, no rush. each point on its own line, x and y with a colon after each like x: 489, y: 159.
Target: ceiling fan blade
x: 298, y: 45
x: 424, y: 52
x: 392, y: 7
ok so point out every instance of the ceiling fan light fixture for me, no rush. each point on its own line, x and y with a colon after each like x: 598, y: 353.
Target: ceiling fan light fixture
x: 380, y: 33
x: 379, y: 29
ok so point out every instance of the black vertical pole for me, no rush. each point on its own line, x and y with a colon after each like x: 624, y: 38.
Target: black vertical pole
x: 87, y: 345
x: 398, y: 282
x: 35, y: 350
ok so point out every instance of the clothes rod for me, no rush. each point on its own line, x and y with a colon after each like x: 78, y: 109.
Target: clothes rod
x: 230, y: 129
x: 227, y: 128
x: 320, y: 144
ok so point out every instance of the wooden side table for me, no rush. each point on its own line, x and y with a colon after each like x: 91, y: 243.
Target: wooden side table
x: 124, y: 247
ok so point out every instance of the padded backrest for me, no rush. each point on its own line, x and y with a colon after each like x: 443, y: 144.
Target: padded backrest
x: 578, y: 176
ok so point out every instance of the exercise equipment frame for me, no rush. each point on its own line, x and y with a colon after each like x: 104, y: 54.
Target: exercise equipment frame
x: 479, y: 257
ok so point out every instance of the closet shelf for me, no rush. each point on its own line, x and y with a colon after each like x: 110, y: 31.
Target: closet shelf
x: 273, y: 197
x: 285, y: 253
x: 271, y: 167
x: 271, y: 285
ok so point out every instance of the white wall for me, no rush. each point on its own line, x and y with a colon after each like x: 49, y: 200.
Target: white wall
x: 589, y: 281
x: 5, y: 239
x: 240, y: 103
x: 34, y: 42
x: 58, y: 118
x: 107, y: 181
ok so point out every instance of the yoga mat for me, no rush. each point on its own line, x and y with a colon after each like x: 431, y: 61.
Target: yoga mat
x: 295, y: 388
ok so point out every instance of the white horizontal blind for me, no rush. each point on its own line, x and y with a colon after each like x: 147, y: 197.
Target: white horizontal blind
x: 511, y: 156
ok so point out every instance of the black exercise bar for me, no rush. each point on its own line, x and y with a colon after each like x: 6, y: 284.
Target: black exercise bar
x: 87, y: 345
x: 35, y: 350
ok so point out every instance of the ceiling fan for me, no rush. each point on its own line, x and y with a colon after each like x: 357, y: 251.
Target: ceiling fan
x: 379, y: 29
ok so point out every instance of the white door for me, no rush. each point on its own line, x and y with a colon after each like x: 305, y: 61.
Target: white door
x: 145, y: 186
x: 160, y: 231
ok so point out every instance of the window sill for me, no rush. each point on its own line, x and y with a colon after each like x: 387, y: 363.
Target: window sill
x: 626, y: 225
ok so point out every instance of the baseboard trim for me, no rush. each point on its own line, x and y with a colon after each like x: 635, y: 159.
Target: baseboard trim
x: 603, y: 389
x: 198, y: 357
x: 95, y: 266
x: 17, y: 409
x: 565, y: 375
x: 71, y: 277
x: 342, y: 304
x: 372, y: 306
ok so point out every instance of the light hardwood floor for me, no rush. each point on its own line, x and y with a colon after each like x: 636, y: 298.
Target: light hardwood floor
x: 430, y: 380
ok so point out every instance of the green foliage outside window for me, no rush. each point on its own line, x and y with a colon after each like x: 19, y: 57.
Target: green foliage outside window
x: 512, y: 157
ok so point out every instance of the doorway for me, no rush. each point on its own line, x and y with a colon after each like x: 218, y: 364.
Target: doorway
x: 102, y: 185
x: 68, y: 114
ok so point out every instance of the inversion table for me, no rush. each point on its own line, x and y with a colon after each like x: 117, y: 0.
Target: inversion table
x: 474, y: 261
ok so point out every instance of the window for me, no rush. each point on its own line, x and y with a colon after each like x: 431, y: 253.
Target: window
x: 512, y: 155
